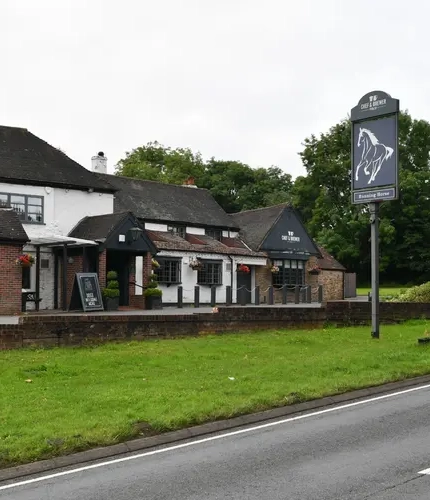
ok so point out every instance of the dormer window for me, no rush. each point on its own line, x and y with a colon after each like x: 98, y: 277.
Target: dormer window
x: 29, y: 208
x: 216, y: 234
x: 179, y: 230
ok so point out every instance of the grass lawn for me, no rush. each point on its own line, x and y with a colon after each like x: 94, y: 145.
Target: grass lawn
x: 384, y: 291
x: 60, y: 400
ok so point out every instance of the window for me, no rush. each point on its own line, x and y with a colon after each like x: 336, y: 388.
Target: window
x: 291, y: 272
x: 169, y: 271
x: 211, y: 274
x: 179, y: 230
x: 26, y: 278
x: 29, y: 208
x: 216, y: 234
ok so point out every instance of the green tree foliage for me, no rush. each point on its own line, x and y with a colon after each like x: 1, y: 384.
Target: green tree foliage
x: 324, y: 199
x: 235, y: 185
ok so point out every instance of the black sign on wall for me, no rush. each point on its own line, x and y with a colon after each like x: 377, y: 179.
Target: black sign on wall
x: 374, y: 148
x: 86, y: 293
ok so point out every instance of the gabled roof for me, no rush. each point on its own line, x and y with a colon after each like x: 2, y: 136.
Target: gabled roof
x: 27, y: 159
x: 201, y: 244
x: 97, y: 227
x: 256, y: 224
x: 11, y: 228
x: 277, y: 230
x: 157, y: 201
x: 106, y: 229
x: 328, y: 262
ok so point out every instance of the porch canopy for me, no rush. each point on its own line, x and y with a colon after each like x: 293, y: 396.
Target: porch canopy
x: 56, y: 241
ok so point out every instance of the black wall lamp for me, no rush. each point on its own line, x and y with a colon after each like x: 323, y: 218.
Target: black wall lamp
x: 135, y: 233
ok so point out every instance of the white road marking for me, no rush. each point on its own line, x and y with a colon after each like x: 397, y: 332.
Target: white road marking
x: 425, y: 471
x: 214, y: 438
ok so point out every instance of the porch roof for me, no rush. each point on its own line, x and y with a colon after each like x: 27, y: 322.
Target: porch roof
x: 55, y: 240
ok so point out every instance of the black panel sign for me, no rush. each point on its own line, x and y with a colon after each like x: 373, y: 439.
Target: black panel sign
x: 86, y: 293
x: 374, y: 158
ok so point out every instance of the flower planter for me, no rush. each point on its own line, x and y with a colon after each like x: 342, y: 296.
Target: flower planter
x: 153, y: 302
x: 25, y: 265
x: 111, y: 303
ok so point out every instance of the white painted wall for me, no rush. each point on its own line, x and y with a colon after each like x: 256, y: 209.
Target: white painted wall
x: 151, y: 226
x: 196, y: 230
x: 63, y: 208
x: 46, y: 279
x: 229, y: 234
x: 70, y: 206
x: 189, y: 277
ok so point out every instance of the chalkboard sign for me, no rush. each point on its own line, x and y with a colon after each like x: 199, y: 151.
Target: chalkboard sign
x: 86, y: 293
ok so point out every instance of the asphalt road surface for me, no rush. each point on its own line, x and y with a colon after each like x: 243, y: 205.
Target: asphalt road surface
x: 370, y: 450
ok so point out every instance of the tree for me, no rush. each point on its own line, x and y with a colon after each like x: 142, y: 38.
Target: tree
x: 324, y: 199
x: 156, y: 162
x: 235, y: 185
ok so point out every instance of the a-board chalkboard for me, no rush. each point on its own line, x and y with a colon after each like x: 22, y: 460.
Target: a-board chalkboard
x: 86, y: 293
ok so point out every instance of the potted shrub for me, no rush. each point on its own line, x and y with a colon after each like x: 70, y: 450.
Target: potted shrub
x: 111, y: 292
x: 153, y: 295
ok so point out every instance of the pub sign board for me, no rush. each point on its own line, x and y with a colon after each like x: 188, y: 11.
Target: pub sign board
x: 86, y: 293
x: 374, y: 148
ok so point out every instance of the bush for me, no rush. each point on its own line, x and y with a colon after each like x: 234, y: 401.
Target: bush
x: 112, y: 276
x: 153, y: 292
x: 111, y: 290
x: 151, y: 287
x: 110, y: 293
x: 419, y: 293
x: 153, y: 283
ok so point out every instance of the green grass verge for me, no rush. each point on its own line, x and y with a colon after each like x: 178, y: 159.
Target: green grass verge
x: 83, y: 397
x: 384, y: 291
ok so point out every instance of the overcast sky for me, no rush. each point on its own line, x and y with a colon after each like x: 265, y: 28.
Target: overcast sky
x: 243, y: 80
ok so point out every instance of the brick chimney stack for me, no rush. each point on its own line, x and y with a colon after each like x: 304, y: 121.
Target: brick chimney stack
x: 190, y: 182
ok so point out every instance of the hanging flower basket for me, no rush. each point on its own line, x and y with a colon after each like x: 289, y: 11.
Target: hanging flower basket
x: 241, y: 268
x: 25, y: 260
x: 196, y: 265
x: 274, y: 269
x: 155, y: 264
x: 315, y: 270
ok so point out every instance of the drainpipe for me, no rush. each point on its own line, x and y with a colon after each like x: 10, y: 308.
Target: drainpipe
x: 231, y: 277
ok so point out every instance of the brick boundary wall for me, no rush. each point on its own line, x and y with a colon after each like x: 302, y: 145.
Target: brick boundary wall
x: 10, y: 279
x: 57, y: 330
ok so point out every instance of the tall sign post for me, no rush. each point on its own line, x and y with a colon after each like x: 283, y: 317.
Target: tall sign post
x: 374, y: 169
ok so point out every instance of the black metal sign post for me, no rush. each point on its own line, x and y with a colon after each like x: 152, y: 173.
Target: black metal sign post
x: 374, y: 169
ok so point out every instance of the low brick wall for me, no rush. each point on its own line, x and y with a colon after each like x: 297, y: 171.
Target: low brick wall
x: 354, y: 313
x: 58, y: 330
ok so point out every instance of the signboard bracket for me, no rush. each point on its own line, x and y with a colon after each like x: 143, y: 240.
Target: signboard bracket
x: 374, y: 258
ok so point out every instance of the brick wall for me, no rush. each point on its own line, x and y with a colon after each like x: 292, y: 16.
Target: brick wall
x: 52, y: 330
x: 332, y: 282
x: 102, y: 269
x: 355, y: 313
x: 10, y: 280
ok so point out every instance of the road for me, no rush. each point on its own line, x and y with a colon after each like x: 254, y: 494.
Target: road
x: 372, y: 449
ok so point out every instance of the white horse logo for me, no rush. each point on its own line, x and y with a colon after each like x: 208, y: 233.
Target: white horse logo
x: 374, y: 154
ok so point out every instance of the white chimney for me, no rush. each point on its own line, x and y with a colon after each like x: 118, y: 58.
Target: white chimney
x: 99, y: 163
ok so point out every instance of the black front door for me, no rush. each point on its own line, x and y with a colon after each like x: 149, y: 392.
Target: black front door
x: 119, y: 262
x: 244, y: 288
